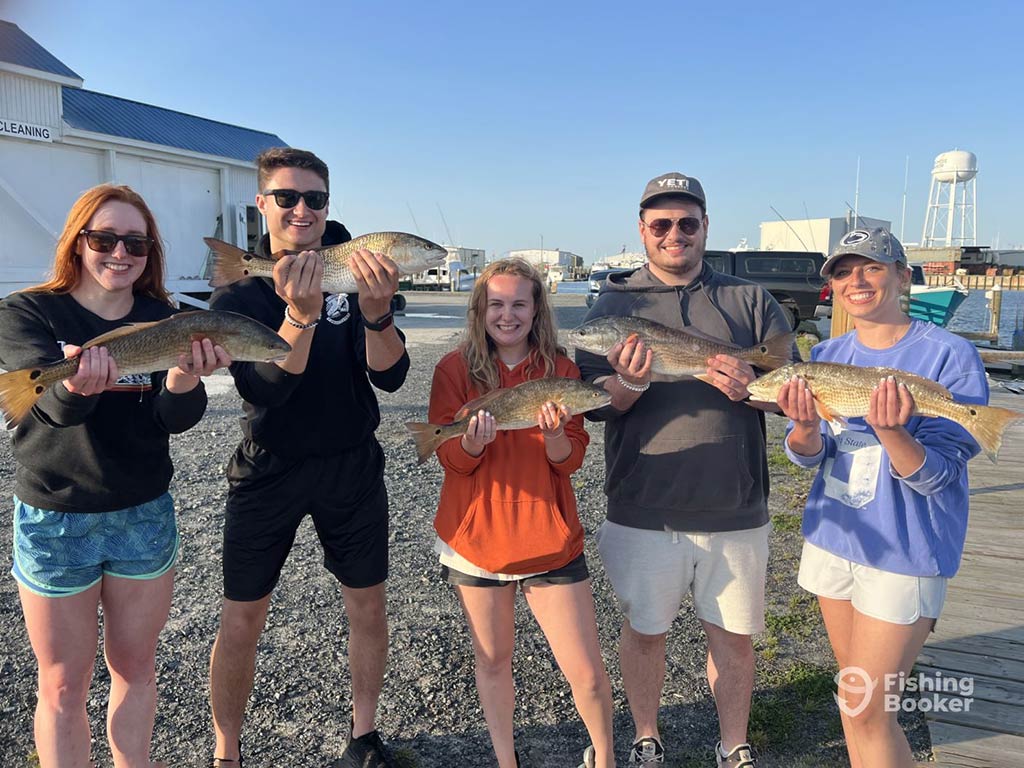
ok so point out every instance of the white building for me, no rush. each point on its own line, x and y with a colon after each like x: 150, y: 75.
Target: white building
x: 58, y: 139
x: 469, y: 258
x: 813, y: 234
x: 547, y: 257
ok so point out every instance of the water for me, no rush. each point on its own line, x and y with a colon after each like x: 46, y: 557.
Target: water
x: 576, y: 286
x: 973, y: 314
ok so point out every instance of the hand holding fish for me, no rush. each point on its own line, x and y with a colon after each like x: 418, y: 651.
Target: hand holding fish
x: 552, y: 420
x: 797, y: 402
x: 730, y: 376
x: 376, y: 277
x: 206, y: 358
x: 632, y: 360
x: 97, y: 371
x: 480, y: 431
x: 298, y: 279
x: 891, y: 407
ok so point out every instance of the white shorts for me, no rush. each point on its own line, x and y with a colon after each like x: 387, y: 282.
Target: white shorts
x: 651, y: 571
x: 883, y: 595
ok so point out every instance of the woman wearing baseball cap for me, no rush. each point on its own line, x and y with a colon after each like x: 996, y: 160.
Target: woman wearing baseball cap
x: 886, y: 517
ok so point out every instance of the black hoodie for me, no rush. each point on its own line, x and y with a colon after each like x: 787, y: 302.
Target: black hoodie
x: 330, y: 407
x: 685, y: 457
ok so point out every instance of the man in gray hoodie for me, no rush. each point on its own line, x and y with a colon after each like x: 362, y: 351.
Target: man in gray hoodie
x: 686, y: 470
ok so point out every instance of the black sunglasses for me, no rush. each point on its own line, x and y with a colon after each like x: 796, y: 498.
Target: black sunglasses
x: 102, y: 241
x: 289, y: 198
x: 688, y: 225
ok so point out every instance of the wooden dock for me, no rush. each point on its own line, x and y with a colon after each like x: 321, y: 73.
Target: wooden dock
x: 981, y: 632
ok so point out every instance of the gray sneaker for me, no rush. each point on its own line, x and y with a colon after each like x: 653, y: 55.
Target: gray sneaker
x: 740, y: 757
x: 589, y: 758
x: 646, y: 751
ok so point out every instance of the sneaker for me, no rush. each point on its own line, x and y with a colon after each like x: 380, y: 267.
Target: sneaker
x: 368, y: 751
x: 646, y: 751
x: 589, y: 759
x: 740, y: 757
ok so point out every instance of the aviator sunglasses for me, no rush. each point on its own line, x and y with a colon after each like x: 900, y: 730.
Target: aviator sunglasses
x: 289, y: 198
x: 102, y: 241
x: 688, y: 225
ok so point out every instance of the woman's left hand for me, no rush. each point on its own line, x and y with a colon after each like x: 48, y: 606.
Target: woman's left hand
x: 892, y: 405
x: 552, y: 419
x: 206, y: 358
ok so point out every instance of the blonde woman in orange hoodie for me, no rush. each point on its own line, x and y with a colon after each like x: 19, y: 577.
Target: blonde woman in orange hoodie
x: 507, y: 514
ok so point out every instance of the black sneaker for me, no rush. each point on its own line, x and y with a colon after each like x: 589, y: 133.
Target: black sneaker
x: 646, y: 751
x: 368, y: 751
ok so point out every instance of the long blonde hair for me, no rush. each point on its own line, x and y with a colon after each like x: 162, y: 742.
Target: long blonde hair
x: 67, y: 263
x: 479, y: 349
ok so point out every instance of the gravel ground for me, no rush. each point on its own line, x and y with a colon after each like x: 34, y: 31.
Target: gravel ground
x: 429, y: 710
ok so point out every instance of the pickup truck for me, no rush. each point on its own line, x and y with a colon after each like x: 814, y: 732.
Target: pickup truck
x: 790, y: 276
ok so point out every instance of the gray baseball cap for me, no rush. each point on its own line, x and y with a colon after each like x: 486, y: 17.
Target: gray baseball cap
x: 672, y: 184
x: 877, y: 244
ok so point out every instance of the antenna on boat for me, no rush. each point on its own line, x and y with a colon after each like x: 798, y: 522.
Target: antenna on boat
x: 783, y: 220
x: 443, y: 221
x: 413, y: 216
x: 856, y: 192
x: 810, y: 229
x: 903, y: 217
x: 856, y: 218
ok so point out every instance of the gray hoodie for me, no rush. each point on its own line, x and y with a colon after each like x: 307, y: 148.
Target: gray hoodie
x: 685, y: 457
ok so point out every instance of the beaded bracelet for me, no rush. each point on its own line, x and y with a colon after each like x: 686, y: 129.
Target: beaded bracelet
x: 295, y: 323
x: 632, y: 387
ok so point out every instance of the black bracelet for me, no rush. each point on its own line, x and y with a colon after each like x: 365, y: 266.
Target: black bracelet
x: 381, y: 324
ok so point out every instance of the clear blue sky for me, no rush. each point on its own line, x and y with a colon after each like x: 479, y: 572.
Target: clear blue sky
x: 529, y: 120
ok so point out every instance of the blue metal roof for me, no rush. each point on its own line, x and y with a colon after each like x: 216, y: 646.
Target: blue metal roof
x: 18, y: 48
x: 100, y: 113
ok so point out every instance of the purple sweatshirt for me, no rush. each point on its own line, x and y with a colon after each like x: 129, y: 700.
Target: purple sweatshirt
x: 858, y: 508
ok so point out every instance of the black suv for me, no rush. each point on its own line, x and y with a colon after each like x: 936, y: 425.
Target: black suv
x: 790, y: 276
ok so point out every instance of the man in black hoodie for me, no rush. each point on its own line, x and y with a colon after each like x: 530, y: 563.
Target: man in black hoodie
x: 308, y: 448
x: 686, y: 470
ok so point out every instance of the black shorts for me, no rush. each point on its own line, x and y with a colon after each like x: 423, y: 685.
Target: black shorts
x: 570, y: 573
x: 268, y: 497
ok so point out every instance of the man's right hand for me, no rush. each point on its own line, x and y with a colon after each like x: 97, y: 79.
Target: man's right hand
x: 632, y: 360
x: 298, y: 279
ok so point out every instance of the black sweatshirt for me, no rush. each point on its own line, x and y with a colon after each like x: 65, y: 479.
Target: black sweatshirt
x: 97, y: 453
x: 330, y: 407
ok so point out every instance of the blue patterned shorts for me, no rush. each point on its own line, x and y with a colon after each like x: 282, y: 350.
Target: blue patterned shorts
x: 57, y: 554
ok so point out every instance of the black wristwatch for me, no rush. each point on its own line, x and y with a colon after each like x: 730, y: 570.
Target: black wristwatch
x: 381, y: 324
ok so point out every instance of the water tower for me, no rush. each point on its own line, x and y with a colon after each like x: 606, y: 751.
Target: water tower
x: 951, y: 219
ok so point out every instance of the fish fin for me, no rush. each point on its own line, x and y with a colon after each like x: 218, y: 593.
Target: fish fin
x: 19, y: 391
x: 117, y: 333
x: 428, y: 438
x: 704, y: 377
x: 988, y: 424
x: 480, y: 403
x: 228, y: 264
x: 838, y: 423
x: 771, y: 354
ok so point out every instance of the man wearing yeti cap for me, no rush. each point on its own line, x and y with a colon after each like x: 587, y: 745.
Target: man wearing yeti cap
x: 686, y: 470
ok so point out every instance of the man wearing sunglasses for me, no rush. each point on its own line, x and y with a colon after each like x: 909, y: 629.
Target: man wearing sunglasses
x: 308, y: 448
x: 686, y: 470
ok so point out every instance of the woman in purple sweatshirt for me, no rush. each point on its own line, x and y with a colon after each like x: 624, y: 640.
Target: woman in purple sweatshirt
x: 886, y: 517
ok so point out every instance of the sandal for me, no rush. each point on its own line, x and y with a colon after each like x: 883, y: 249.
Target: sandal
x: 223, y: 762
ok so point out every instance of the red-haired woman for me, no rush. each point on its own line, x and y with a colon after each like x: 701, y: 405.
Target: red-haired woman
x: 93, y: 521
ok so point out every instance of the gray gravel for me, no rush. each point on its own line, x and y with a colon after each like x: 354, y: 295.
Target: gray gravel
x: 429, y: 710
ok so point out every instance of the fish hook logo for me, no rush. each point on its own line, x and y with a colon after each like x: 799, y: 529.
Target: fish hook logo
x: 856, y: 681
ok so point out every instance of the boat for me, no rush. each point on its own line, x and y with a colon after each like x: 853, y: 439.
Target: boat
x: 935, y: 303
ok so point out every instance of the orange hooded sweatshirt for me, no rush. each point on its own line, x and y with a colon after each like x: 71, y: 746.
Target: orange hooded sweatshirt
x: 509, y: 510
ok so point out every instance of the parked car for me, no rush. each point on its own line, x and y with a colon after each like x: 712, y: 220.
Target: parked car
x: 790, y: 276
x: 597, y: 278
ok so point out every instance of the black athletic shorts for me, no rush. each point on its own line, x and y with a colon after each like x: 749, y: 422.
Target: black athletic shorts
x: 572, y: 572
x: 268, y: 497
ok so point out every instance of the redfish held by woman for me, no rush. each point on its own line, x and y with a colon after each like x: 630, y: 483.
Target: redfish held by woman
x: 513, y: 408
x: 844, y: 391
x: 147, y: 347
